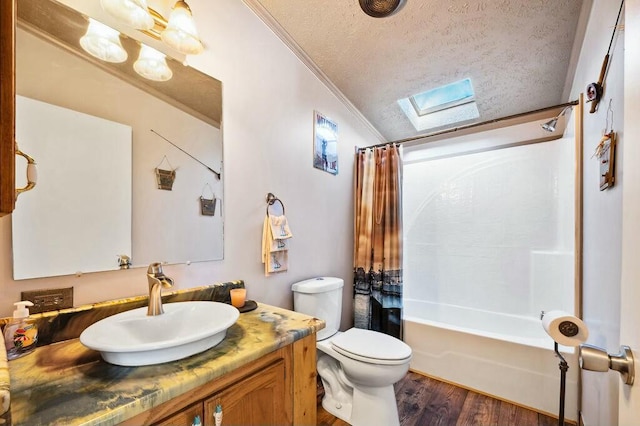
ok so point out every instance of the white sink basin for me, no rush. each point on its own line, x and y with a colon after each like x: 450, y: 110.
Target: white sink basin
x: 132, y: 338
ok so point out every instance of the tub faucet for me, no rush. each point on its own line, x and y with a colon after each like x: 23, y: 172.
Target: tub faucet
x: 157, y: 279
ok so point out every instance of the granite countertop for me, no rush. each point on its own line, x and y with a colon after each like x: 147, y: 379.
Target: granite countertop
x: 67, y: 383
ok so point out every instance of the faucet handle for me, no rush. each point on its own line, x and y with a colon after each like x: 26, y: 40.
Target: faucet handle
x: 156, y: 276
x: 124, y: 261
x: 155, y: 269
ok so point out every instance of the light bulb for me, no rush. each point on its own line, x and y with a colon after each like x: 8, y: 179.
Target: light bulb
x: 103, y: 42
x: 132, y: 12
x: 181, y: 33
x: 152, y: 64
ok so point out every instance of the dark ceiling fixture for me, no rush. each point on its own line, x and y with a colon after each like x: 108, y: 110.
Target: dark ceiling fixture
x: 381, y: 8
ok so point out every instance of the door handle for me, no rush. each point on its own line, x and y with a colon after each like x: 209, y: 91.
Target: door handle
x: 593, y: 358
x: 32, y: 172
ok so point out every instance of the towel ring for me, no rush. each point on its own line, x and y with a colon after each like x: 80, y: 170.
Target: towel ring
x: 271, y: 199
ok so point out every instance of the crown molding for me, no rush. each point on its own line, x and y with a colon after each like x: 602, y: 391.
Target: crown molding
x: 262, y: 13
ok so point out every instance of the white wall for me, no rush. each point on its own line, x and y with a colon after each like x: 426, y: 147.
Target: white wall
x: 269, y: 97
x: 602, y: 210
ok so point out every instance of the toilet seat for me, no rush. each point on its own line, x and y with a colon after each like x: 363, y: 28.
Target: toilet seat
x: 371, y: 346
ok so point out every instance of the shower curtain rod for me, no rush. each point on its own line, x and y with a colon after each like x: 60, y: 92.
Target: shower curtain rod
x: 470, y: 126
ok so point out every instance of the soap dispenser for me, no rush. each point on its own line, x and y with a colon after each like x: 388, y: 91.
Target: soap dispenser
x: 21, y: 333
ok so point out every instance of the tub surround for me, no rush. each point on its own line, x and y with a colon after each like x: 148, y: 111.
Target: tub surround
x: 67, y: 383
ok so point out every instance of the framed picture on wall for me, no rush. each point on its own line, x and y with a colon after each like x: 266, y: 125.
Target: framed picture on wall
x: 325, y: 143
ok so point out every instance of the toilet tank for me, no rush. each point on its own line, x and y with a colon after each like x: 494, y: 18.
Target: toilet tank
x: 321, y: 298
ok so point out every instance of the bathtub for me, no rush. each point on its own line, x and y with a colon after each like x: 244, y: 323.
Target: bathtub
x: 510, y: 357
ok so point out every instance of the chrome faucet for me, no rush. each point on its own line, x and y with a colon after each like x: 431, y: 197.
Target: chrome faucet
x: 157, y: 279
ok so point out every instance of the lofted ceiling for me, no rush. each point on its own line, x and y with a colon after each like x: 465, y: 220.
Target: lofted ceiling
x: 517, y: 53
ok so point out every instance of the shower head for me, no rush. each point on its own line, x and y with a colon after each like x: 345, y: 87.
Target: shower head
x: 550, y: 126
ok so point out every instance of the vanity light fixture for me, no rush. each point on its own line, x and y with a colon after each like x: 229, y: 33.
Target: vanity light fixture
x: 178, y: 32
x: 152, y: 65
x: 103, y: 42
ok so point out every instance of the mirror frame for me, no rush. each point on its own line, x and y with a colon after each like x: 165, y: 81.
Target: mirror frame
x: 7, y: 106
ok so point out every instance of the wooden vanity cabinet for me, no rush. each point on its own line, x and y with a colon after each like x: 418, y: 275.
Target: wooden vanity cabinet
x: 7, y: 106
x: 277, y: 389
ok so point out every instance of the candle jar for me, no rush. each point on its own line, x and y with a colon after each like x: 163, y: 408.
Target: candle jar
x: 238, y: 296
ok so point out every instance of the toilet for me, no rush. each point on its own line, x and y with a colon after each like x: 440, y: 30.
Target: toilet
x: 358, y: 367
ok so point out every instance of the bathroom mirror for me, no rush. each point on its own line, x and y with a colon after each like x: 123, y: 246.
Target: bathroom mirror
x: 175, y: 126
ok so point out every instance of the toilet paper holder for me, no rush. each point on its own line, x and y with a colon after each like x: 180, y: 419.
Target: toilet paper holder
x: 593, y: 358
x: 567, y: 330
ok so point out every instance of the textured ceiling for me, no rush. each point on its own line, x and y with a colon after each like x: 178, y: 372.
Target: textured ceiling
x: 516, y: 52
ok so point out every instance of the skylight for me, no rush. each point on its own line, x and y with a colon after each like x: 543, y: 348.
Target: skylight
x: 443, y: 97
x: 442, y: 106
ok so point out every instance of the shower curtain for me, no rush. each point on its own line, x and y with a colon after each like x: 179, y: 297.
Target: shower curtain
x: 377, y: 257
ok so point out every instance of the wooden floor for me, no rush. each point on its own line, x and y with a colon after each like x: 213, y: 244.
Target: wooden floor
x: 423, y: 401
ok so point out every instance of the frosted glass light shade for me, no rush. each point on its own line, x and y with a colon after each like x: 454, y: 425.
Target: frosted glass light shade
x: 103, y: 42
x: 181, y: 33
x: 152, y: 64
x: 132, y: 12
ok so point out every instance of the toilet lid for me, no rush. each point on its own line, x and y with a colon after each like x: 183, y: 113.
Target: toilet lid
x: 371, y: 346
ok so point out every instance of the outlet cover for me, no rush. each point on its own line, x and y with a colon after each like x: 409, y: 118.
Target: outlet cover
x: 49, y: 300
